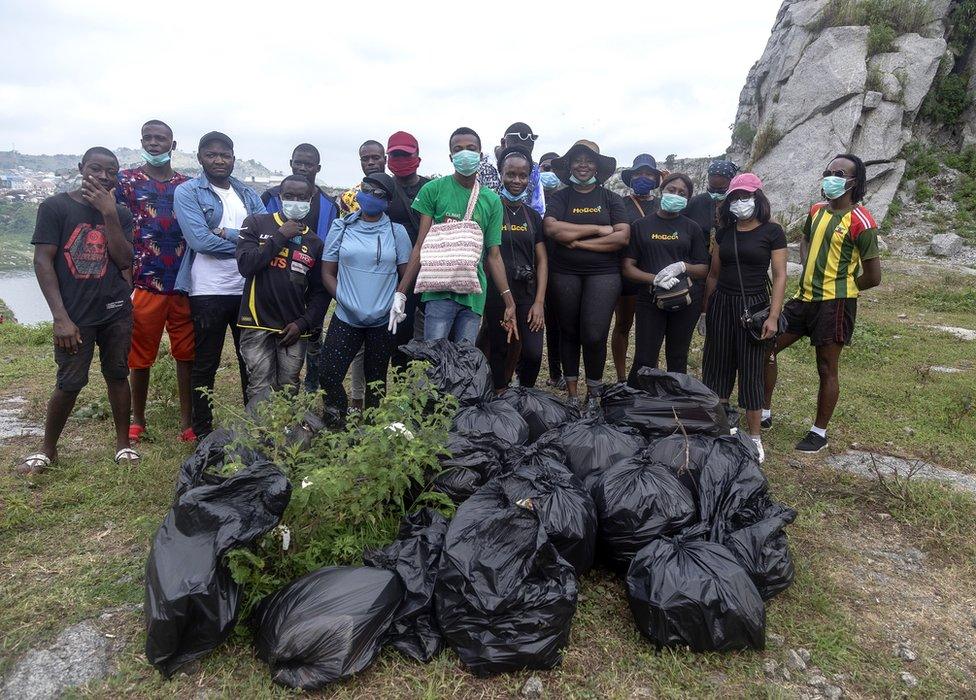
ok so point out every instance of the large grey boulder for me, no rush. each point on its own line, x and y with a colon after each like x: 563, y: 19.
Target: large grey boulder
x: 883, y: 179
x: 879, y: 137
x: 831, y: 69
x: 792, y: 170
x: 946, y: 245
x: 907, y: 73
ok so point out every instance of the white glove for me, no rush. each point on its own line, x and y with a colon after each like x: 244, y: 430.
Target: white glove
x: 397, y: 311
x: 673, y: 270
x: 664, y: 282
x: 701, y: 325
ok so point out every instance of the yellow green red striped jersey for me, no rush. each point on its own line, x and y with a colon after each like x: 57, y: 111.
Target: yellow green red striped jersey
x: 837, y: 242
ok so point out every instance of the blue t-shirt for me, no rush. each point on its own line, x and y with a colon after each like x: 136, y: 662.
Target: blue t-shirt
x: 368, y: 253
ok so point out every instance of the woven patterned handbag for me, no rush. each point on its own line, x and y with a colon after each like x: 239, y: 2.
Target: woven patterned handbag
x: 450, y: 254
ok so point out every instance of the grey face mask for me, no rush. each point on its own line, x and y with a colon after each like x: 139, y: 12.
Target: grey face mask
x: 295, y: 210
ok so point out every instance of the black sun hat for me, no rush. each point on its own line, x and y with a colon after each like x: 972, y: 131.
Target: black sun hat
x: 605, y: 165
x: 383, y: 181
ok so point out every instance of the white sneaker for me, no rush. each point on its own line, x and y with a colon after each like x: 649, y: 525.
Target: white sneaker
x: 759, y: 447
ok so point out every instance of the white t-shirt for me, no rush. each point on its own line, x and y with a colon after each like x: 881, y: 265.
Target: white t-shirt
x: 210, y: 275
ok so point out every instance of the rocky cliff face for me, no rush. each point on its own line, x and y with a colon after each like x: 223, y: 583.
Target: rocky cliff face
x: 819, y: 90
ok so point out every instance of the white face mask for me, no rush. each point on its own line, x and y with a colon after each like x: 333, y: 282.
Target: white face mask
x: 295, y: 210
x: 743, y: 208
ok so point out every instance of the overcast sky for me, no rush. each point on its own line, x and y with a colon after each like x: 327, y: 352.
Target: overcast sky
x: 634, y: 77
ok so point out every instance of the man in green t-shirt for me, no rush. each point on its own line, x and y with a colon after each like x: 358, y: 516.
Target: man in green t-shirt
x: 449, y: 315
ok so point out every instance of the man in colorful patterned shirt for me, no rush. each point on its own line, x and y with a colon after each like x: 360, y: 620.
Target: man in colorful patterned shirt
x: 840, y: 253
x: 159, y: 246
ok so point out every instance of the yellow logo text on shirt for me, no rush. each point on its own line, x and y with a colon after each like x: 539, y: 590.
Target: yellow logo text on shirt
x: 587, y: 210
x: 664, y: 236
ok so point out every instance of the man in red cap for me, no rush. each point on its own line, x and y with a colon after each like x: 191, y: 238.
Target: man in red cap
x: 403, y: 160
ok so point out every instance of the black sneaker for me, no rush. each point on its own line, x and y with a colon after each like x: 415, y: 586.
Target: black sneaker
x: 766, y: 423
x: 812, y: 443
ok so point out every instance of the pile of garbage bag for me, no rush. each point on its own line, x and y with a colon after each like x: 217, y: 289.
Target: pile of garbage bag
x: 654, y: 486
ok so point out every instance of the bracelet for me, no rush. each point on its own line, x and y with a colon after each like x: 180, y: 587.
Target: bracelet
x: 507, y: 291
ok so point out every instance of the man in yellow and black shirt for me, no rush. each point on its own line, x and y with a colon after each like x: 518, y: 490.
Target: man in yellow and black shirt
x: 284, y: 300
x: 840, y: 257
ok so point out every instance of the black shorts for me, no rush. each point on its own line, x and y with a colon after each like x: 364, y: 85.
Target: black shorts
x: 113, y: 340
x: 826, y: 322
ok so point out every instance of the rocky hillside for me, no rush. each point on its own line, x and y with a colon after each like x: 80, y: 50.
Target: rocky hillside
x: 68, y: 163
x: 866, y: 76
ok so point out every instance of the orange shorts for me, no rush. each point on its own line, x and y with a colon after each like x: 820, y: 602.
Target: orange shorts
x: 150, y: 314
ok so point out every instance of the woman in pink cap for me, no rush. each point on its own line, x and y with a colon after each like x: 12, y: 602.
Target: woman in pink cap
x: 747, y: 245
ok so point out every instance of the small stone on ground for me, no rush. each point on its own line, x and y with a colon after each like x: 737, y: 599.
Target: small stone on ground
x: 863, y: 463
x: 532, y: 688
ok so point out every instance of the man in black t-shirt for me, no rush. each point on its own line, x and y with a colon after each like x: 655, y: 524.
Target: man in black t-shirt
x: 83, y: 259
x: 284, y: 299
x: 403, y: 160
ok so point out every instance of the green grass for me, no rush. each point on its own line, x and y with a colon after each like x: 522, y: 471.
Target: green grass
x: 899, y: 16
x: 73, y: 541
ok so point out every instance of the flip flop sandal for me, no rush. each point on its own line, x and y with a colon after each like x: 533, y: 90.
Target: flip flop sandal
x: 126, y: 454
x: 135, y: 432
x: 34, y: 463
x: 188, y: 435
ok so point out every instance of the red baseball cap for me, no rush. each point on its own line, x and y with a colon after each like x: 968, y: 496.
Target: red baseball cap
x: 402, y: 141
x: 745, y: 182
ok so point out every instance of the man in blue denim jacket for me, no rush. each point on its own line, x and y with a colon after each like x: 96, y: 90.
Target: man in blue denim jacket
x: 210, y: 210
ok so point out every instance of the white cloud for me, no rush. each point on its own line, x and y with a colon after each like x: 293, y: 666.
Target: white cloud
x: 663, y: 78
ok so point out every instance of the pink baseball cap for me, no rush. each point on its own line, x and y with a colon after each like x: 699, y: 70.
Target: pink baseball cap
x: 746, y: 182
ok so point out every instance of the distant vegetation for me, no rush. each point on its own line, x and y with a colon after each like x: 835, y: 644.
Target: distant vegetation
x: 888, y: 18
x: 16, y: 229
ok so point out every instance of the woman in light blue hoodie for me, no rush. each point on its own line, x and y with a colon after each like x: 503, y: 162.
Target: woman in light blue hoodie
x: 365, y: 256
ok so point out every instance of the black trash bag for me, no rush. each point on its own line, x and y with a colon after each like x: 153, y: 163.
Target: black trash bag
x: 302, y: 433
x: 636, y: 502
x: 684, y: 456
x: 732, y: 490
x: 202, y: 468
x: 687, y: 591
x: 651, y: 407
x: 591, y: 445
x: 327, y: 625
x: 504, y: 598
x: 763, y: 551
x: 191, y: 599
x: 541, y: 410
x: 415, y: 556
x: 459, y: 369
x: 565, y: 508
x: 467, y: 466
x: 494, y: 421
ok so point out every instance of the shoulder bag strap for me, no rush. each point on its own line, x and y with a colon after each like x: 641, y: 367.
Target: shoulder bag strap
x: 637, y: 204
x: 406, y: 204
x: 472, y: 200
x: 738, y: 267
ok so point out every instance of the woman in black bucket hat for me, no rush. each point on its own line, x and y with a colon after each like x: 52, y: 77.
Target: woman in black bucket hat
x: 588, y: 226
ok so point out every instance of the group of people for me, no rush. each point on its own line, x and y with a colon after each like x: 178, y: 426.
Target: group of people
x: 507, y: 252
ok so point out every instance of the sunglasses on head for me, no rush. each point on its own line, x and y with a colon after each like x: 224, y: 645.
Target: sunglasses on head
x: 376, y: 192
x: 524, y: 136
x: 836, y: 173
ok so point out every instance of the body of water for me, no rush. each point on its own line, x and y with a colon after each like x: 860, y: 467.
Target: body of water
x: 19, y: 290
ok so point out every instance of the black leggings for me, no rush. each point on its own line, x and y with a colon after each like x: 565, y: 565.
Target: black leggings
x: 552, y: 336
x: 729, y: 351
x: 673, y: 329
x: 584, y: 306
x: 342, y: 342
x: 530, y: 357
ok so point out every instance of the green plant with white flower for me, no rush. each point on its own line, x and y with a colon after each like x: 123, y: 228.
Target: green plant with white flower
x: 351, y: 487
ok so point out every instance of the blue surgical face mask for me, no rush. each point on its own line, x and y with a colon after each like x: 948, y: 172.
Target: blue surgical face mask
x: 371, y: 205
x: 513, y: 197
x: 673, y: 203
x: 155, y: 161
x: 642, y: 185
x: 576, y: 181
x: 833, y: 186
x: 295, y: 210
x: 549, y: 179
x: 718, y: 196
x: 466, y: 162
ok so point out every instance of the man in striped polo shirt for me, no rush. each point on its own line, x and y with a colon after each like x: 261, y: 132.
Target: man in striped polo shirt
x: 840, y: 253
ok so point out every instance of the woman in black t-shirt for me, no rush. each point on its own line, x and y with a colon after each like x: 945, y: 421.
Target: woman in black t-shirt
x: 664, y: 246
x: 588, y: 224
x: 526, y: 267
x: 746, y: 245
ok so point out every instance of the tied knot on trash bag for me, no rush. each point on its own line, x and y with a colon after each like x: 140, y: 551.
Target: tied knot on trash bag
x: 492, y: 420
x: 459, y: 369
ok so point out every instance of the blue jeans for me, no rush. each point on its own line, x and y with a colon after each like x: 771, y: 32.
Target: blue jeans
x: 445, y: 318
